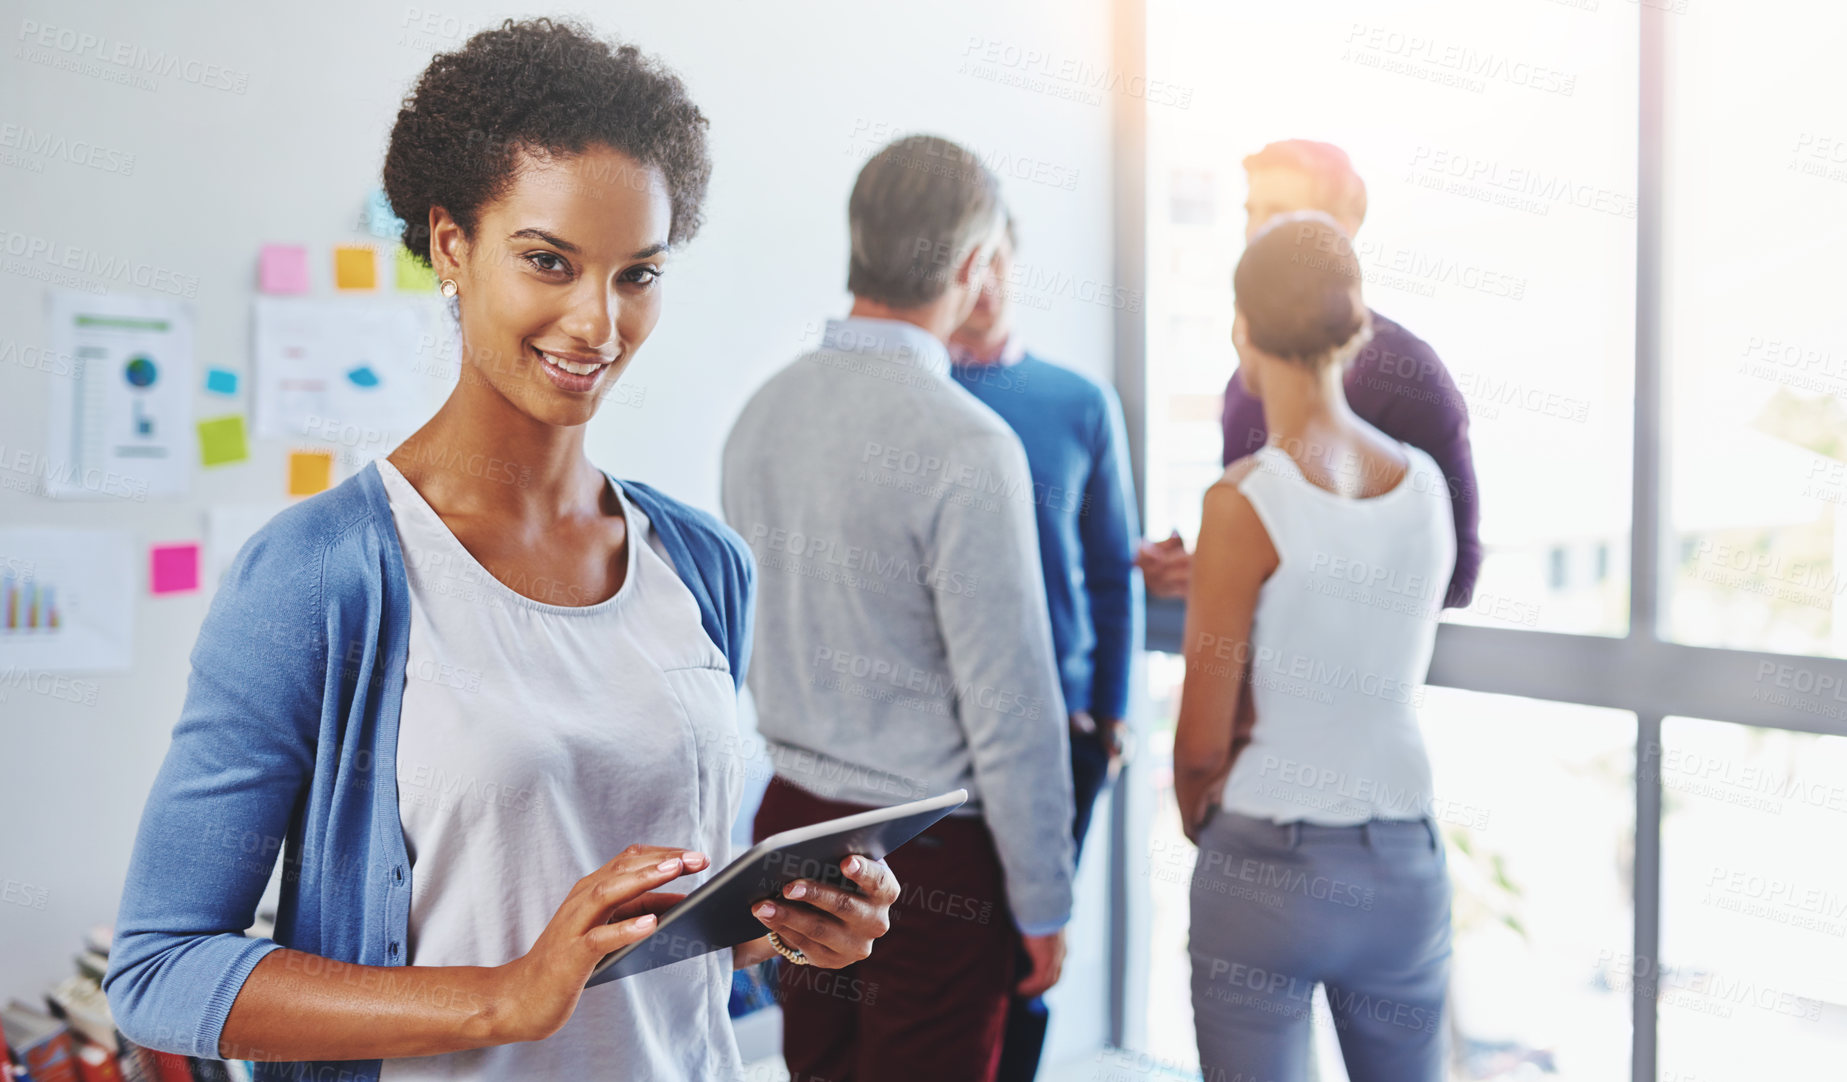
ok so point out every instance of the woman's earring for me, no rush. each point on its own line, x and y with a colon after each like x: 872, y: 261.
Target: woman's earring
x: 449, y: 287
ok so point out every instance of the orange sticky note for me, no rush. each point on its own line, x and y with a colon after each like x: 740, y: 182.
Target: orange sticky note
x: 355, y: 266
x: 310, y: 472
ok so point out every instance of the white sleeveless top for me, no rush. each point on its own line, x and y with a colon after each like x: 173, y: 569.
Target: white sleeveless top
x: 536, y: 741
x: 1341, y: 644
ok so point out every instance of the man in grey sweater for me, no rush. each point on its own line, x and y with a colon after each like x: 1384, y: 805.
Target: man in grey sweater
x: 902, y: 645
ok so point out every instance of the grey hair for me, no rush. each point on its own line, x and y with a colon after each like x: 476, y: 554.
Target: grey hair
x: 919, y: 207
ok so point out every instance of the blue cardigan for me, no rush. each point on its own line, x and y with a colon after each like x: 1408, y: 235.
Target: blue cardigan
x: 287, y: 746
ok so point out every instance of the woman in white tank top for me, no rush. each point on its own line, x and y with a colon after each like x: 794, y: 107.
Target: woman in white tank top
x: 1299, y: 767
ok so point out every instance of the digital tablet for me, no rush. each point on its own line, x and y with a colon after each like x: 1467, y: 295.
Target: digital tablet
x: 717, y: 914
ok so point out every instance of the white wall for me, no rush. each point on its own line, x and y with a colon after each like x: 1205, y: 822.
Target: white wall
x: 798, y: 95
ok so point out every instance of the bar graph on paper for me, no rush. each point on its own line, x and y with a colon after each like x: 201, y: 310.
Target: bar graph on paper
x: 66, y: 599
x: 27, y: 606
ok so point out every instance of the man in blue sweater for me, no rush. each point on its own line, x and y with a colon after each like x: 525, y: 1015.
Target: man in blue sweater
x: 1072, y: 429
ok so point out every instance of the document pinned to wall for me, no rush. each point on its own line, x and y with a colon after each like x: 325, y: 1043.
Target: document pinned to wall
x: 120, y: 425
x: 227, y: 527
x: 66, y: 599
x: 346, y: 370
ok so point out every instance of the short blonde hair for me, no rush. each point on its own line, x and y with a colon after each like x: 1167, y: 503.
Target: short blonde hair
x: 1338, y: 187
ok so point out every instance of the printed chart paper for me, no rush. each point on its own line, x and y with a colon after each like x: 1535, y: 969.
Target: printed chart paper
x: 345, y: 370
x: 66, y: 599
x: 227, y: 527
x: 120, y: 425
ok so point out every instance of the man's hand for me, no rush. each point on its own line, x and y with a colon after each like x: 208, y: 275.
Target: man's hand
x: 1109, y: 731
x: 1048, y: 956
x: 1166, y: 566
x: 1106, y: 732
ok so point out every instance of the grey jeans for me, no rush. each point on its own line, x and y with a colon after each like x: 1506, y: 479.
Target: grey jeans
x: 1279, y: 908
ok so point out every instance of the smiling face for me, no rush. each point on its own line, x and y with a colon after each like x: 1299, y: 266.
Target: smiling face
x: 1277, y: 190
x: 560, y: 284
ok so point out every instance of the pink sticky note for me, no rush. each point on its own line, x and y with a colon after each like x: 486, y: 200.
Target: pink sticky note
x: 174, y: 569
x: 283, y: 268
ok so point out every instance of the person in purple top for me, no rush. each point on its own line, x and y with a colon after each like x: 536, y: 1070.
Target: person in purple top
x: 1397, y: 383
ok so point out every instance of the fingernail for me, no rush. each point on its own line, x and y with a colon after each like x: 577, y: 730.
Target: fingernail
x: 645, y: 922
x: 670, y: 864
x: 693, y: 858
x: 852, y: 865
x: 796, y: 890
x: 766, y: 911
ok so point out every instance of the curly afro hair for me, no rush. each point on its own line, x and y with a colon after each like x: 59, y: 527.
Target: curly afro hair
x: 538, y: 86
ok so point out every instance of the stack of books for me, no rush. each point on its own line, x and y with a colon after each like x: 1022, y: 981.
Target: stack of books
x: 74, y: 1039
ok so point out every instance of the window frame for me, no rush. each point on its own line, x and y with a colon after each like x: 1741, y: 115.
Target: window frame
x: 1641, y: 671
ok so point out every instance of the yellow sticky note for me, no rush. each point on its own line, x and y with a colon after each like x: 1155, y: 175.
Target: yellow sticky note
x: 355, y: 266
x: 221, y: 440
x: 310, y: 472
x: 413, y: 276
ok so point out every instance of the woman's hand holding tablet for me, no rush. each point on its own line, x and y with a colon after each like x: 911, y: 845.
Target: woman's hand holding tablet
x: 846, y: 893
x: 617, y: 905
x: 606, y: 910
x: 832, y: 926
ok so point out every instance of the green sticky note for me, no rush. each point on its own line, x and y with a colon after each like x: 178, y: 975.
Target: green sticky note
x: 221, y: 440
x: 413, y: 276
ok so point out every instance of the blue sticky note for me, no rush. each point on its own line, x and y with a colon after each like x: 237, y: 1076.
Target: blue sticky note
x: 380, y: 222
x: 363, y: 376
x: 221, y: 381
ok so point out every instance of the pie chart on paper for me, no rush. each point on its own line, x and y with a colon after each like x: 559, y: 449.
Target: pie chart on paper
x: 140, y: 371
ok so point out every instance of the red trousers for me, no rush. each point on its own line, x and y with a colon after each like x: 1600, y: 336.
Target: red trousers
x: 930, y: 1004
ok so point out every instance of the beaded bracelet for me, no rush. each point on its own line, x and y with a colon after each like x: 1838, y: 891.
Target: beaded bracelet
x: 791, y: 953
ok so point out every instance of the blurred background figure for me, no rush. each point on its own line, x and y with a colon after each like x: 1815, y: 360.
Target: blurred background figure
x: 1297, y: 758
x: 1396, y: 383
x: 1084, y: 502
x: 902, y: 634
